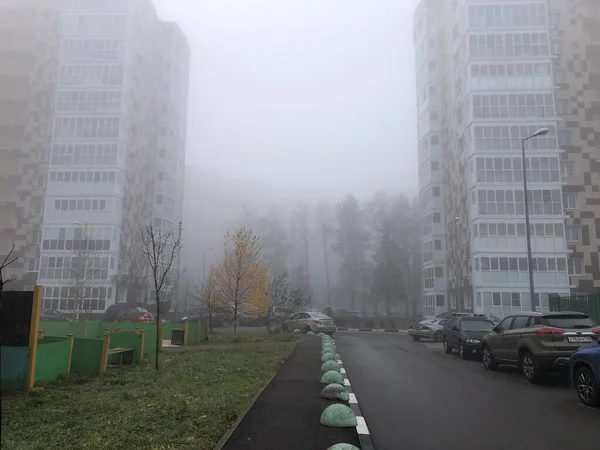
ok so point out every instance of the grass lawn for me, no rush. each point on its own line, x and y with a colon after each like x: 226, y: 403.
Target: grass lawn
x: 227, y: 336
x: 189, y: 404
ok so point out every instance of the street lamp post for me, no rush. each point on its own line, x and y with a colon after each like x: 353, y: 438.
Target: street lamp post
x: 540, y: 132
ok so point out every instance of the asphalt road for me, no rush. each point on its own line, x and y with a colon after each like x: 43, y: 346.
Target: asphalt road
x: 416, y: 397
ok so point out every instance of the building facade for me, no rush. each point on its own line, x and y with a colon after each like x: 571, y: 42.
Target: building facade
x: 106, y: 149
x: 29, y: 46
x: 576, y: 31
x: 486, y: 80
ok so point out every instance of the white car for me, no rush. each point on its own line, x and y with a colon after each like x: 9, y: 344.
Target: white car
x: 310, y: 321
x: 428, y: 328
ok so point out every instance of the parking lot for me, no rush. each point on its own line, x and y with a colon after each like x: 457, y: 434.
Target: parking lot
x: 415, y: 396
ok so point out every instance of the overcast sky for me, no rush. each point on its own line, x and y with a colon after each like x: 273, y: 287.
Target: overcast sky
x: 304, y: 94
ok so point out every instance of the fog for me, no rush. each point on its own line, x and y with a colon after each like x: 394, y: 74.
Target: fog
x: 293, y: 101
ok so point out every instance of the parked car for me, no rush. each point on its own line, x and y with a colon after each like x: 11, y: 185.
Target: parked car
x: 219, y: 317
x: 585, y: 374
x: 538, y: 342
x: 310, y: 321
x: 464, y: 333
x: 428, y: 328
x: 52, y: 315
x: 347, y: 314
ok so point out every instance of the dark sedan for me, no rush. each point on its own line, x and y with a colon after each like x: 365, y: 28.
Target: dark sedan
x: 585, y: 373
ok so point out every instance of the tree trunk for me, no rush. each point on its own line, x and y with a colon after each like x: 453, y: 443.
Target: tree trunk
x: 235, y: 314
x: 156, y: 360
x: 388, y: 310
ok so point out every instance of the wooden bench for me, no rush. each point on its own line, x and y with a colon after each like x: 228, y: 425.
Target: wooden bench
x: 122, y: 351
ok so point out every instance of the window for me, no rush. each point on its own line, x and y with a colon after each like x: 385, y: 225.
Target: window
x: 437, y: 244
x: 453, y: 301
x: 91, y: 75
x: 88, y: 101
x: 502, y: 106
x: 520, y: 322
x: 564, y: 138
x: 94, y: 49
x: 84, y: 154
x: 563, y: 107
x: 440, y: 300
x: 575, y: 266
x: 503, y: 45
x: 560, y: 76
x: 505, y: 137
x: 567, y: 169
x: 510, y: 170
x: 437, y: 218
x: 573, y: 233
x: 467, y: 300
x: 435, y: 165
x: 507, y: 16
x: 570, y: 200
x: 86, y: 127
x: 511, y: 202
x: 439, y: 272
x: 506, y: 323
x: 436, y: 191
x: 428, y: 278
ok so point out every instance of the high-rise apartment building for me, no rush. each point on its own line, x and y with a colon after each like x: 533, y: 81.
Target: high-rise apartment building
x: 486, y: 81
x: 116, y: 151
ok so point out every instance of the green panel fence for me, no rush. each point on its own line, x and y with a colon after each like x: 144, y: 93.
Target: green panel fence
x: 86, y: 355
x: 126, y: 339
x: 52, y: 360
x: 13, y: 367
x: 589, y: 304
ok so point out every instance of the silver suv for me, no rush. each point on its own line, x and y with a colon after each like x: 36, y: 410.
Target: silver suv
x: 538, y: 342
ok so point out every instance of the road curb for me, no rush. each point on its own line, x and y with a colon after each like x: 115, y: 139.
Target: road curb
x: 372, y: 330
x: 364, y: 436
x: 232, y: 428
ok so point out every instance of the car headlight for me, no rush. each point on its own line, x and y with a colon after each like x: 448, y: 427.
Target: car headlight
x: 472, y: 341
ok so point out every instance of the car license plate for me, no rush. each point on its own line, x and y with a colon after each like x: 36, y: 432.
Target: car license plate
x: 579, y: 339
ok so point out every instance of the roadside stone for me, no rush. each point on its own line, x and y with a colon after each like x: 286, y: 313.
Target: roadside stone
x: 330, y: 365
x: 335, y: 391
x: 339, y: 416
x: 310, y: 333
x: 343, y: 447
x: 328, y: 357
x: 332, y: 377
x: 328, y: 349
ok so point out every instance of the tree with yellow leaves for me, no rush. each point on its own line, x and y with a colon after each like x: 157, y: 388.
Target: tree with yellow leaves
x: 241, y: 277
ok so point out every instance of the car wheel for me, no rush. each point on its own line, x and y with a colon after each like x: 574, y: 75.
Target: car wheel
x: 488, y: 359
x: 285, y: 328
x: 306, y: 329
x: 587, y: 387
x: 437, y: 336
x: 416, y: 338
x: 461, y: 351
x: 447, y: 348
x: 529, y: 367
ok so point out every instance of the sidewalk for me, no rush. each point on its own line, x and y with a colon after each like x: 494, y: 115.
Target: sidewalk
x: 286, y: 415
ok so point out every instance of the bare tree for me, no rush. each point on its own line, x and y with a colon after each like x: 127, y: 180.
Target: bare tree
x: 323, y: 219
x: 283, y: 302
x: 8, y: 260
x: 85, y: 268
x: 161, y: 248
x: 206, y: 294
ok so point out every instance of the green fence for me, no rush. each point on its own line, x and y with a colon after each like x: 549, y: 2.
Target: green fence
x: 589, y: 304
x: 52, y: 359
x: 87, y: 354
x: 126, y: 339
x: 13, y: 367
